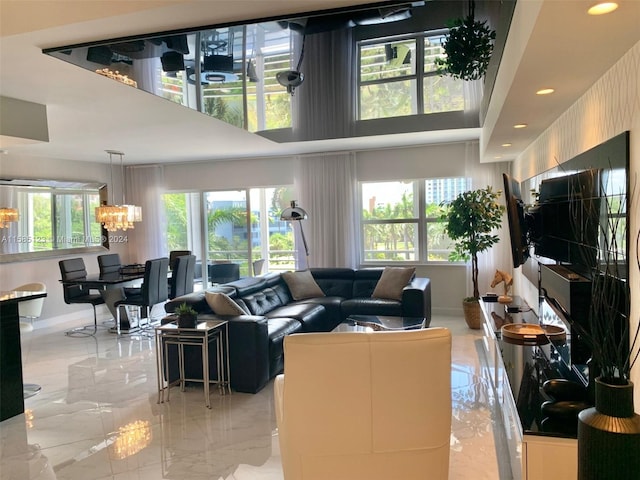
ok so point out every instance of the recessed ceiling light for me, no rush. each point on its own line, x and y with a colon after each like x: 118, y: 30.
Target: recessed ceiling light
x: 602, y: 8
x: 506, y: 144
x: 497, y: 157
x: 520, y: 125
x: 545, y: 91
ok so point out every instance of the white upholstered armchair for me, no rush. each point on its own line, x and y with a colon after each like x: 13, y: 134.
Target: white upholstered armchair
x: 359, y: 405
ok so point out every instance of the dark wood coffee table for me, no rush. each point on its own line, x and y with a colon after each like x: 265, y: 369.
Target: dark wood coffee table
x: 380, y: 323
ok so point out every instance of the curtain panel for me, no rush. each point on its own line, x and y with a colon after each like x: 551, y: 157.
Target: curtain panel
x: 327, y: 189
x: 144, y: 186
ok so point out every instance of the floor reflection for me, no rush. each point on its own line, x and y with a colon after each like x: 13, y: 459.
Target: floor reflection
x: 97, y: 417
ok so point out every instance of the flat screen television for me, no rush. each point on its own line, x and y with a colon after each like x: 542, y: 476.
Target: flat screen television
x: 562, y: 225
x: 515, y: 216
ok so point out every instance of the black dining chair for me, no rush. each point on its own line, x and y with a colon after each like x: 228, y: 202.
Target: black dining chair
x: 109, y: 263
x: 223, y: 272
x: 258, y: 266
x: 173, y: 256
x: 182, y: 276
x: 74, y: 269
x: 154, y: 289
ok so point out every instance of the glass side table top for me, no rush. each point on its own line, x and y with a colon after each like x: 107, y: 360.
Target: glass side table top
x: 202, y: 326
x: 386, y: 323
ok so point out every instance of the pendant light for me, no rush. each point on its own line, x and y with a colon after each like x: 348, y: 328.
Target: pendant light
x: 118, y: 217
x: 8, y: 215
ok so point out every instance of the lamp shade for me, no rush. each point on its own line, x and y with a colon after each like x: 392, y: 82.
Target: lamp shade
x: 293, y: 213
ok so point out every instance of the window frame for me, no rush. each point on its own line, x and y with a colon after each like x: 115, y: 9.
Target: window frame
x: 421, y: 222
x: 418, y: 77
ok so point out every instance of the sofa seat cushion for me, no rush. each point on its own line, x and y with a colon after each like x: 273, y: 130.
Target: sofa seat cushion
x: 262, y: 301
x: 333, y: 307
x: 279, y: 328
x: 312, y: 317
x: 371, y: 306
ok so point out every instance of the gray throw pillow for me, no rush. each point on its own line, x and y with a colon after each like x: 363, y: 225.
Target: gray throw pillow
x: 392, y: 282
x: 302, y: 285
x: 222, y: 304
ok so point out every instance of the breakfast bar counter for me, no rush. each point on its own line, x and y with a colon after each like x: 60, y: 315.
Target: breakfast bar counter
x: 11, y: 387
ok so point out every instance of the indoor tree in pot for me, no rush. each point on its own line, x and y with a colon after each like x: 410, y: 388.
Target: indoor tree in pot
x: 609, y: 432
x: 470, y: 220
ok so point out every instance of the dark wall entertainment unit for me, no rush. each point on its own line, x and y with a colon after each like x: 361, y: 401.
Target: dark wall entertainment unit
x: 555, y: 224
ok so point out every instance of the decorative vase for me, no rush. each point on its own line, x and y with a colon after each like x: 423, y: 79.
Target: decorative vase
x: 472, y: 313
x: 609, y: 435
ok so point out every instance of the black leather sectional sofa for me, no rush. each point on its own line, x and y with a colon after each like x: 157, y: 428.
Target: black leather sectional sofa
x: 256, y: 340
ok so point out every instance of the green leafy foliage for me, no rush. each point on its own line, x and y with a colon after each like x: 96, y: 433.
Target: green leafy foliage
x: 185, y: 309
x: 468, y: 48
x: 470, y: 219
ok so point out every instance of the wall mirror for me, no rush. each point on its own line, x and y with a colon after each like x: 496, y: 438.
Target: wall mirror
x: 54, y: 218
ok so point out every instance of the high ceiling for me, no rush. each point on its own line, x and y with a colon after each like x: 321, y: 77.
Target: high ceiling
x: 556, y: 44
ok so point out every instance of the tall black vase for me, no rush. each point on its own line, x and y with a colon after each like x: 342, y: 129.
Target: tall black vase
x: 609, y: 435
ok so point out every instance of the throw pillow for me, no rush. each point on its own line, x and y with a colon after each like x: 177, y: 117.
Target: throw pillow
x: 392, y: 282
x: 222, y: 304
x: 302, y: 285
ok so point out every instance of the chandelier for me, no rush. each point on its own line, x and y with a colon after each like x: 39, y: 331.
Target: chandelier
x: 8, y: 215
x: 118, y: 217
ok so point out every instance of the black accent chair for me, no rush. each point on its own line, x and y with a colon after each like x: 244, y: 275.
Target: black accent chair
x: 182, y: 276
x: 223, y: 272
x: 109, y: 263
x: 173, y: 257
x: 154, y: 290
x: 74, y: 269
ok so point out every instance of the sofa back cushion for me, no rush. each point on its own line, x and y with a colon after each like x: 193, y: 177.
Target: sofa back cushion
x: 365, y: 281
x: 392, y: 282
x: 302, y: 285
x: 334, y: 282
x: 262, y: 301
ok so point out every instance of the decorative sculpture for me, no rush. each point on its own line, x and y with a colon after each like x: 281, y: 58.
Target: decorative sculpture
x: 503, y: 277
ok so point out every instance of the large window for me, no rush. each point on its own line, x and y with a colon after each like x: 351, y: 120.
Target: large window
x: 401, y: 220
x: 239, y: 226
x: 398, y: 77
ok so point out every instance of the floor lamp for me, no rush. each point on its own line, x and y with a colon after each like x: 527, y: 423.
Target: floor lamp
x: 295, y: 213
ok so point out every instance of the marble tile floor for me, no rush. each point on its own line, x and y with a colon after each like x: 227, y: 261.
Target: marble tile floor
x: 96, y: 417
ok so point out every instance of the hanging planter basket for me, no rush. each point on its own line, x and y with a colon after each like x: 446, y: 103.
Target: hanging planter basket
x: 468, y: 47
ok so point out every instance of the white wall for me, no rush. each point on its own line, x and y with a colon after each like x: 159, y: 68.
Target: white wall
x: 610, y: 107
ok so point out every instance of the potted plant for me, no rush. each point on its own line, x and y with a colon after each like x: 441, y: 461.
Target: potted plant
x: 468, y: 47
x: 187, y: 316
x: 470, y: 219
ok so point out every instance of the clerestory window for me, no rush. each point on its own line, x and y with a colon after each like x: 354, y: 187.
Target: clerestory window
x: 398, y: 77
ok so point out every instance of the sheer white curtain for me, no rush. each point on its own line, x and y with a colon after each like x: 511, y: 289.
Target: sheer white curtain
x: 327, y: 188
x: 323, y: 104
x: 498, y: 256
x: 144, y: 187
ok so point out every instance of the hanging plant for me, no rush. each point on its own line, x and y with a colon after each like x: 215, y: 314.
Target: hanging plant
x: 468, y: 47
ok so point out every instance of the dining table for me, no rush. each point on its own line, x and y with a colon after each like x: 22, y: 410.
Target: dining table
x: 111, y: 287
